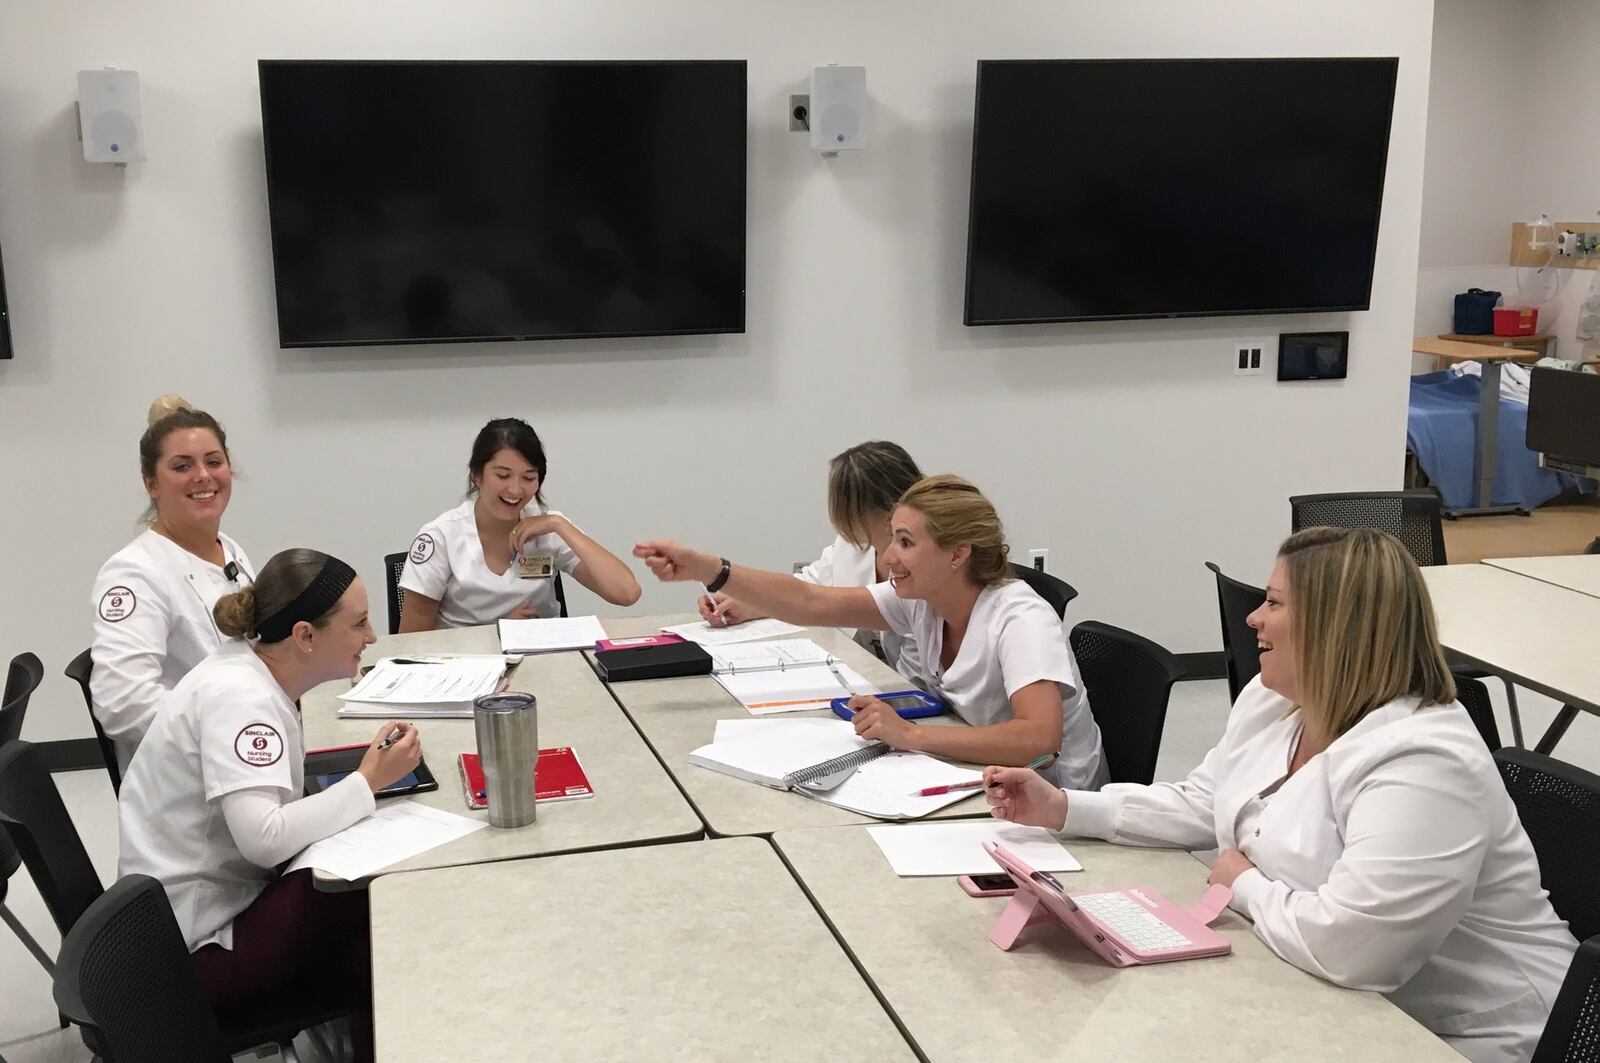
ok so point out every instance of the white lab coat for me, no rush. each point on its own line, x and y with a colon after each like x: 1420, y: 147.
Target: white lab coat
x: 844, y: 564
x: 1394, y: 861
x: 226, y: 732
x: 446, y: 563
x: 1013, y: 639
x: 152, y: 624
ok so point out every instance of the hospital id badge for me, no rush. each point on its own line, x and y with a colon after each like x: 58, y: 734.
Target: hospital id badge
x: 536, y: 566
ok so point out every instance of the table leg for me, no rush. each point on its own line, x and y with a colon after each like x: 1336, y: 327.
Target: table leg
x: 1488, y: 438
x: 1557, y: 728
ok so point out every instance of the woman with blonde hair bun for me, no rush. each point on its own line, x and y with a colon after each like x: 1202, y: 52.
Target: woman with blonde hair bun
x: 1362, y: 823
x: 991, y: 647
x: 152, y: 600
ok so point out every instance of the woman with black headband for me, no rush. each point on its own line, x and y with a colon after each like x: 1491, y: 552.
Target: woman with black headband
x: 212, y: 804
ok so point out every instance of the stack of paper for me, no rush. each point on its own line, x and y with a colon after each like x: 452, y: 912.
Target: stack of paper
x: 884, y: 787
x: 789, y: 675
x: 551, y: 633
x: 957, y: 848
x: 424, y: 687
x: 717, y: 635
x: 395, y: 832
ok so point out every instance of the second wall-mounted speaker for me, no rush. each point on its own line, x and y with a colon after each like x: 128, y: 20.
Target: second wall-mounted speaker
x: 111, y: 115
x: 838, y: 108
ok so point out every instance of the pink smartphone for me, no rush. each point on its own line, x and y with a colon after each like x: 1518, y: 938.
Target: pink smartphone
x: 995, y: 885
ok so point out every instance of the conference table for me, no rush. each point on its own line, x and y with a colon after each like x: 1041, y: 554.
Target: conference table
x: 635, y: 802
x: 705, y: 951
x: 1575, y: 572
x: 677, y: 716
x: 1534, y: 632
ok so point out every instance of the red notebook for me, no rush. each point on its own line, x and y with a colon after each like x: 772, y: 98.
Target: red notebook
x: 557, y: 777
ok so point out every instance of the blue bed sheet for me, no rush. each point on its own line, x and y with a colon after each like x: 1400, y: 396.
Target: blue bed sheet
x: 1441, y: 430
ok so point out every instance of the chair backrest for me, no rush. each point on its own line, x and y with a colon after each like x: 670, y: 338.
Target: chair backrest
x: 22, y: 679
x: 1128, y: 680
x: 125, y: 974
x: 561, y: 596
x: 1058, y: 592
x: 1559, y: 806
x: 1413, y: 517
x: 1235, y: 602
x: 1572, y: 1032
x: 393, y: 566
x: 40, y: 828
x: 1474, y: 697
x: 79, y: 670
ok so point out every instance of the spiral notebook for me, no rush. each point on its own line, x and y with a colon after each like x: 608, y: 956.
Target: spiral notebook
x: 786, y: 754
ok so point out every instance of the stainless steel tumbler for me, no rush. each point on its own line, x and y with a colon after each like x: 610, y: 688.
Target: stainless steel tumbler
x: 507, y: 727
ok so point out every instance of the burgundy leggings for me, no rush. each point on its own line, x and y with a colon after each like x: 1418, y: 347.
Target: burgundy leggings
x: 292, y: 934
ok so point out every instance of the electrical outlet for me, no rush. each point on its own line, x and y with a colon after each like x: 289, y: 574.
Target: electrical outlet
x: 800, y: 113
x: 1248, y: 356
x: 1038, y: 556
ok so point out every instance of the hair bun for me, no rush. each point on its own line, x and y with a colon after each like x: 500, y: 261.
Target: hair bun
x: 166, y: 406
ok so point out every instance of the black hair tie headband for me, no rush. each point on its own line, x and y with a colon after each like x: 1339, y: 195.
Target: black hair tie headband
x: 320, y: 595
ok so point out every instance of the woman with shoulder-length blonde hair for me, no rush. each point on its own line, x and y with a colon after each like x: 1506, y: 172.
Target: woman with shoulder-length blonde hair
x: 990, y: 646
x: 1362, y: 822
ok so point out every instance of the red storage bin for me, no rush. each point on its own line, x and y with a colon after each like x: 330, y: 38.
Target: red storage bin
x: 1516, y: 320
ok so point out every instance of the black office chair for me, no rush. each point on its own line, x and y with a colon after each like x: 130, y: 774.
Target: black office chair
x: 125, y: 976
x: 1057, y: 592
x: 22, y: 679
x: 395, y: 564
x: 1235, y: 602
x: 1128, y: 680
x: 1594, y: 547
x: 79, y: 670
x: 1414, y: 517
x: 1572, y: 1032
x: 1559, y: 806
x: 1474, y: 697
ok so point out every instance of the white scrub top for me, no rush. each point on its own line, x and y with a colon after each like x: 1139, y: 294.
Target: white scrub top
x: 1394, y: 861
x: 844, y: 564
x: 1014, y: 638
x: 446, y: 564
x: 227, y: 726
x: 152, y: 624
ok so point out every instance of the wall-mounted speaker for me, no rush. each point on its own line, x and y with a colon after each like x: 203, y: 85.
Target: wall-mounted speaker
x: 111, y: 115
x: 838, y: 108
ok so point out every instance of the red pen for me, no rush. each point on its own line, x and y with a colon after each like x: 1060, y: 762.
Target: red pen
x: 934, y: 791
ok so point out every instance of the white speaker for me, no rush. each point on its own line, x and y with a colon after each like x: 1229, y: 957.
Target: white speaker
x: 111, y: 115
x: 838, y: 108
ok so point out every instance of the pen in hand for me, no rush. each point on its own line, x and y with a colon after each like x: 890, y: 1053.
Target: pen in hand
x: 711, y: 600
x: 393, y: 737
x: 975, y: 784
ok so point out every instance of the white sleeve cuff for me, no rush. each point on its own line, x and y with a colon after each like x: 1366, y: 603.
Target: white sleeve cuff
x: 1250, y: 887
x: 1091, y: 814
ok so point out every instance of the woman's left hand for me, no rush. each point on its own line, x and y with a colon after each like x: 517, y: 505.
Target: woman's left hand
x: 1229, y: 865
x: 878, y: 722
x: 532, y: 527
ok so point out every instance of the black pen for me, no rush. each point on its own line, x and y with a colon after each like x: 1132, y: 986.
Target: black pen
x: 394, y: 736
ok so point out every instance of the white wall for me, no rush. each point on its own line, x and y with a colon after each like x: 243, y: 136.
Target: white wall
x: 1128, y: 449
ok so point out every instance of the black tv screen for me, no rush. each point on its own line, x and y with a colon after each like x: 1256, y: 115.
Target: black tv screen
x: 419, y: 202
x: 1146, y: 188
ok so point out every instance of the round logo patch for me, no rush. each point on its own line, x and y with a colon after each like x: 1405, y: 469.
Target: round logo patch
x: 422, y: 549
x: 117, y: 604
x: 259, y: 745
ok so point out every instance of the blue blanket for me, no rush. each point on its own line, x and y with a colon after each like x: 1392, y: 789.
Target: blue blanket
x: 1441, y: 430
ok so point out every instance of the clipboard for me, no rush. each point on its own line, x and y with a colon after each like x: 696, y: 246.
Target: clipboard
x: 325, y: 767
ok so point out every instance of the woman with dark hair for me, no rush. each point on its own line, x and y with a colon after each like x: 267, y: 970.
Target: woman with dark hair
x: 495, y: 555
x: 153, y: 598
x: 213, y: 803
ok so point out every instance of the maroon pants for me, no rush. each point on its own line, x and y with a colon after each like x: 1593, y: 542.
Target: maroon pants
x: 290, y: 936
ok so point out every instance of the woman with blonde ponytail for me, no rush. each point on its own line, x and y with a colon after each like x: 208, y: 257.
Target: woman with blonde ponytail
x: 212, y: 804
x: 990, y: 646
x: 152, y: 600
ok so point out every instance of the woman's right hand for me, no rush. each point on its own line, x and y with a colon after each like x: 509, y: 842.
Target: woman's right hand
x: 1022, y: 795
x: 384, y: 767
x: 672, y: 561
x: 728, y: 611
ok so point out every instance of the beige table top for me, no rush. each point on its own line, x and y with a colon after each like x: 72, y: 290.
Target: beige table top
x: 705, y: 951
x: 677, y: 716
x: 925, y: 945
x: 1462, y: 351
x: 1575, y: 572
x: 1539, y: 635
x: 634, y: 800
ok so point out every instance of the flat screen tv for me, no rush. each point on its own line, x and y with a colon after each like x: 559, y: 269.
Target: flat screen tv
x: 1153, y: 188
x: 419, y: 202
